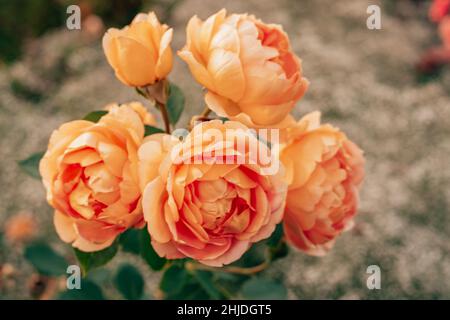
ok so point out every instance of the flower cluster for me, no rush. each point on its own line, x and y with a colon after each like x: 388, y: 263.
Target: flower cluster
x: 119, y: 171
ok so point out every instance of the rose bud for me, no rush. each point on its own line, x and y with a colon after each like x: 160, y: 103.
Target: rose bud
x: 140, y: 53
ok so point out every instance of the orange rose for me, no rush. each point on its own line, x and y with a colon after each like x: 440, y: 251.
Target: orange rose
x: 90, y: 172
x: 248, y: 67
x: 140, y: 53
x: 324, y: 171
x: 210, y: 210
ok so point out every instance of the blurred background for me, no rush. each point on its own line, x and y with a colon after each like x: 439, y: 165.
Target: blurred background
x: 364, y: 81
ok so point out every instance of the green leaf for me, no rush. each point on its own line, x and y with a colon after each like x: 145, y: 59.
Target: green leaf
x: 205, y: 279
x: 130, y: 241
x: 277, y: 247
x: 91, y: 260
x: 253, y: 257
x: 263, y: 289
x: 175, y: 103
x: 130, y: 282
x: 149, y: 130
x: 95, y: 116
x: 148, y: 253
x: 88, y: 291
x: 276, y: 236
x: 45, y: 259
x: 31, y: 164
x: 173, y: 279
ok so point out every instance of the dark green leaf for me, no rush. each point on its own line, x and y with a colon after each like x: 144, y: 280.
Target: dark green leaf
x: 130, y: 241
x: 173, y: 280
x: 277, y: 247
x: 276, y: 236
x: 45, y: 259
x: 281, y: 251
x: 89, y: 291
x: 253, y: 257
x: 91, y: 260
x: 129, y: 282
x: 95, y: 116
x: 31, y: 164
x: 148, y: 253
x: 175, y: 103
x: 149, y: 130
x: 205, y: 279
x: 263, y: 289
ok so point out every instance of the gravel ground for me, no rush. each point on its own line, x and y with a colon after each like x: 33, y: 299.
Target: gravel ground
x: 362, y: 80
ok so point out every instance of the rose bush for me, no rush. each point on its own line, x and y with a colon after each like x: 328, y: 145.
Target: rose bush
x: 213, y: 194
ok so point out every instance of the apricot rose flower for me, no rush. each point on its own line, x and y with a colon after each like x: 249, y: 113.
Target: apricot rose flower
x: 248, y: 67
x: 90, y: 172
x: 140, y: 53
x: 210, y: 210
x: 324, y: 171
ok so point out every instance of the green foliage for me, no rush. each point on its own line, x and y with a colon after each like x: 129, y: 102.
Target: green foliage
x: 30, y: 165
x: 89, y: 291
x: 175, y: 103
x: 130, y: 241
x: 174, y: 280
x: 148, y: 253
x: 206, y: 282
x: 45, y: 260
x: 277, y: 247
x: 129, y: 282
x: 91, y: 260
x: 95, y: 116
x: 263, y: 289
x: 149, y: 130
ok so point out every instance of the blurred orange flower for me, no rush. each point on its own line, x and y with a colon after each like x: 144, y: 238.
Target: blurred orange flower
x: 91, y: 177
x: 20, y: 227
x: 140, y: 53
x: 251, y: 73
x: 324, y: 171
x: 438, y: 10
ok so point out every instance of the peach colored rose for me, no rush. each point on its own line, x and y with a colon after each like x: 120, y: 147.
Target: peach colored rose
x: 140, y: 53
x: 444, y: 32
x: 90, y: 172
x: 324, y: 171
x: 208, y: 211
x: 248, y: 67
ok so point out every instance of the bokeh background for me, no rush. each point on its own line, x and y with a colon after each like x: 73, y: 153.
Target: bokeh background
x: 363, y: 81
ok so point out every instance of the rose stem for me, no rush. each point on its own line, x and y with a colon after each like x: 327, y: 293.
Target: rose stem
x: 165, y: 116
x: 229, y: 269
